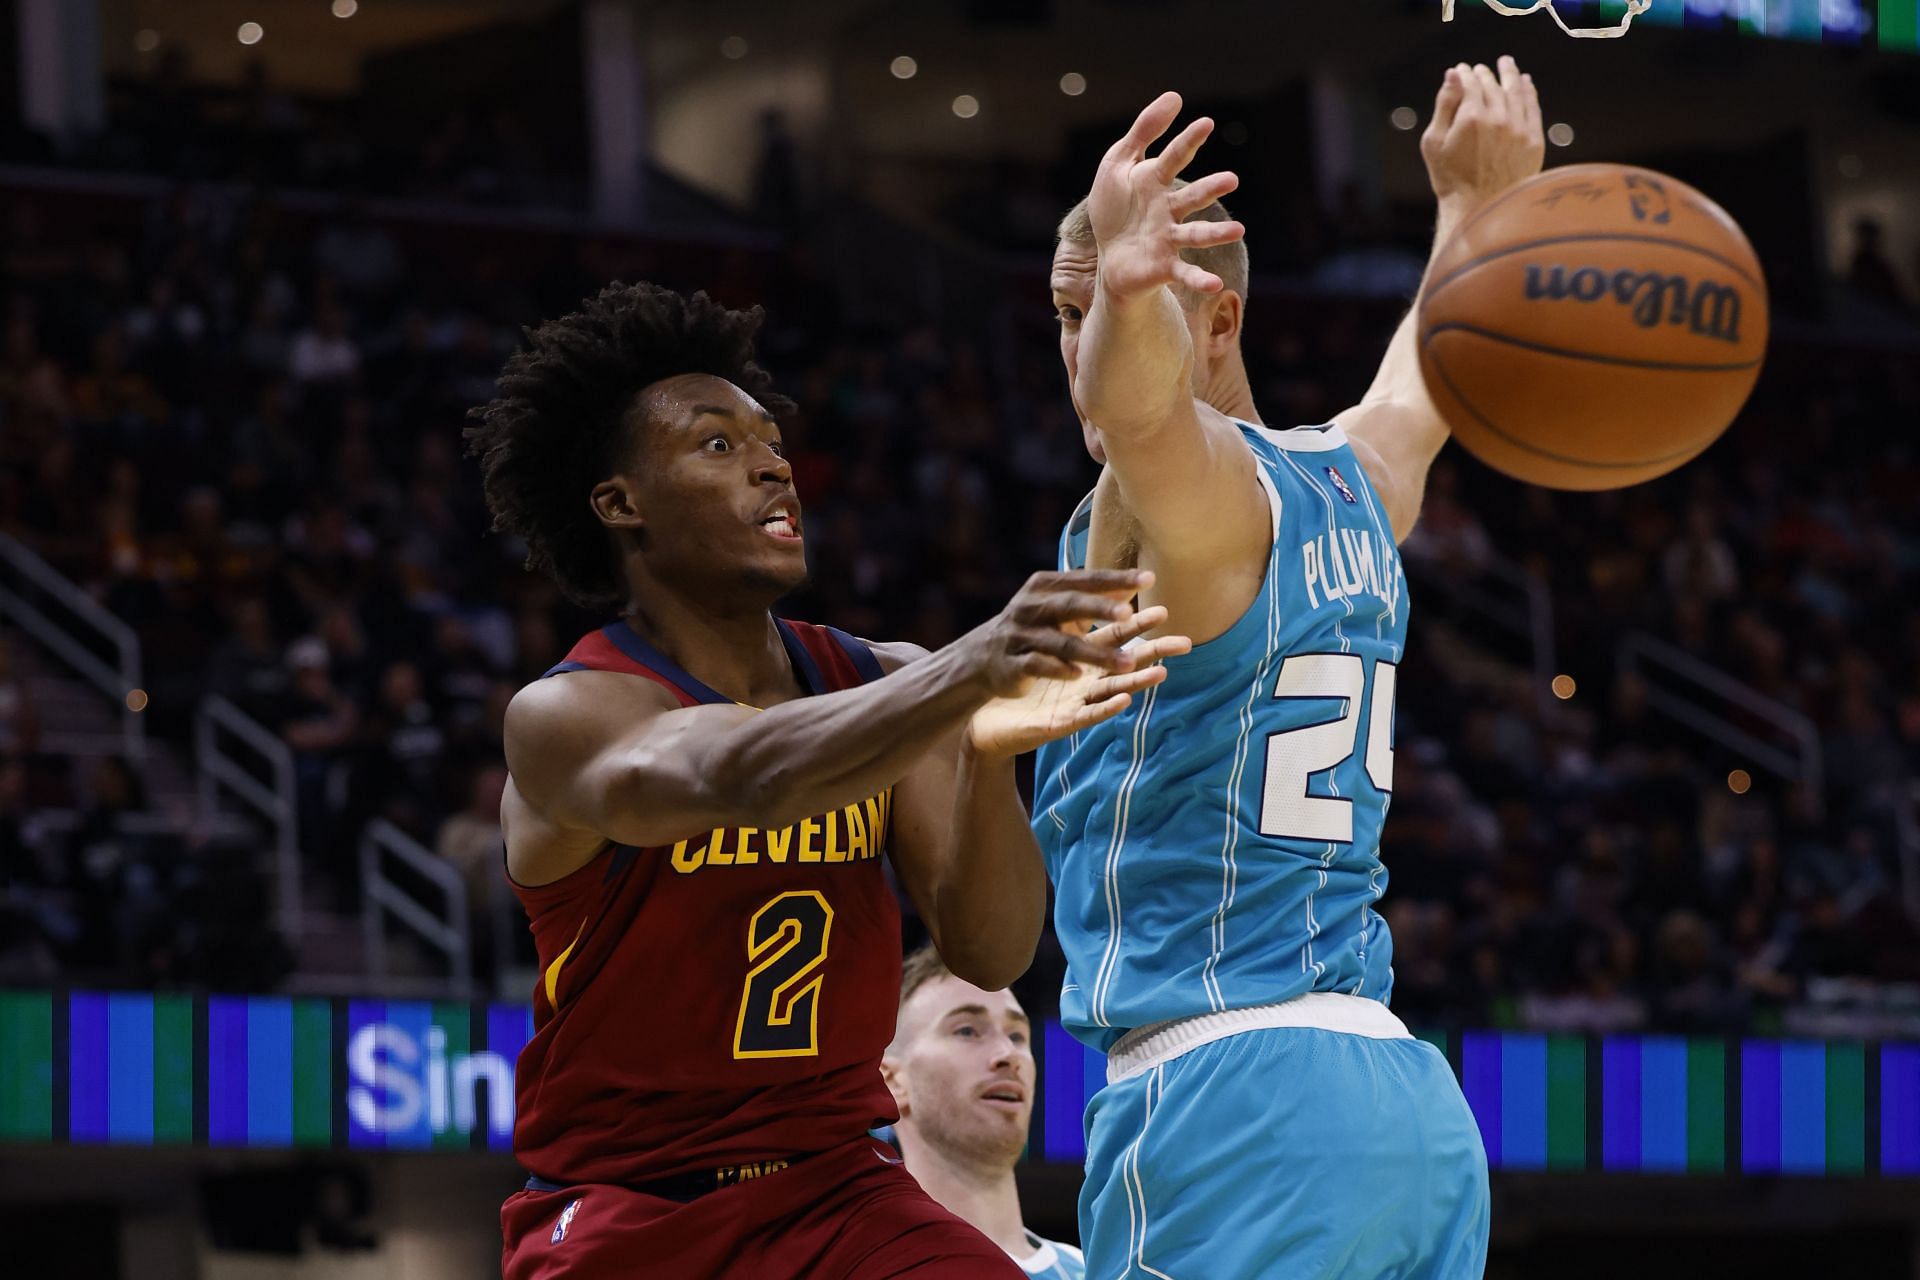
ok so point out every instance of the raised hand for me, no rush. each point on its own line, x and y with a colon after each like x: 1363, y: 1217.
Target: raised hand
x: 1485, y: 134
x: 1054, y: 707
x: 1136, y: 210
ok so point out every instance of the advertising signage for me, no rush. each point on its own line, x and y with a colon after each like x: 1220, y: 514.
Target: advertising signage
x: 292, y: 1073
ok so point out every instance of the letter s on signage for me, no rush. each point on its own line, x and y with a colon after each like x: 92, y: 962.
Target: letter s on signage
x: 384, y: 1096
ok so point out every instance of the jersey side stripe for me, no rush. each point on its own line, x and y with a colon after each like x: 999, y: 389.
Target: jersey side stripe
x: 1230, y: 842
x: 1123, y: 806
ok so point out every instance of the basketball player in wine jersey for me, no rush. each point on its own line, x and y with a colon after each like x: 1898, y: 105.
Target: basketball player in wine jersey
x: 701, y: 797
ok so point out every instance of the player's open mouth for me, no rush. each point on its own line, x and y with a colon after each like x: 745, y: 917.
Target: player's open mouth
x: 783, y: 523
x: 1005, y: 1094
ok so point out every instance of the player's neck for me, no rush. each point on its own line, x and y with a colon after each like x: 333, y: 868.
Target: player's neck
x: 1228, y: 390
x: 739, y: 654
x: 985, y: 1198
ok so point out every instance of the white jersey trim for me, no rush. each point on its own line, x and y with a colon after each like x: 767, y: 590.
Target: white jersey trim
x: 1306, y: 439
x: 1046, y: 1256
x: 1145, y: 1048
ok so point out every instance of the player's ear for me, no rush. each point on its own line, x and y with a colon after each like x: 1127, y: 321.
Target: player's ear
x: 1223, y: 325
x: 896, y: 1077
x: 616, y: 503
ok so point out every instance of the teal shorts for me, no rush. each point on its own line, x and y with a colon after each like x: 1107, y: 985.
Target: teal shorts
x: 1286, y: 1152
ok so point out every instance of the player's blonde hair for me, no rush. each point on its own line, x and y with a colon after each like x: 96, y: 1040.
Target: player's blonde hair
x: 920, y: 968
x: 1228, y: 261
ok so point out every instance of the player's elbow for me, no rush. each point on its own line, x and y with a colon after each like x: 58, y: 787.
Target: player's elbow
x: 989, y: 968
x: 993, y: 955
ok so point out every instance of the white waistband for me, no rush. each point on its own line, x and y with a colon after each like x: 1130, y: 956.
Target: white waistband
x: 1145, y: 1048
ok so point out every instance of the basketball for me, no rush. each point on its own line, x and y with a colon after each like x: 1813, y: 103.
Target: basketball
x: 1596, y: 326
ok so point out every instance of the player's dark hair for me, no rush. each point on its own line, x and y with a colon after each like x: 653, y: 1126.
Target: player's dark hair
x: 557, y: 426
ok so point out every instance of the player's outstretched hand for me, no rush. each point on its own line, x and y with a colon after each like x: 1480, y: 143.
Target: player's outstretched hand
x: 1044, y: 630
x: 1136, y: 210
x: 1055, y: 706
x: 1485, y: 134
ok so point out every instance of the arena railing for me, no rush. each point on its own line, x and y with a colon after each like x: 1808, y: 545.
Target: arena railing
x: 1501, y: 594
x: 235, y: 756
x: 447, y: 931
x: 1699, y: 695
x: 74, y: 628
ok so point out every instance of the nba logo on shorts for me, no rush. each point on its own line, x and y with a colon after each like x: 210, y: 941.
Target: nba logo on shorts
x: 1340, y: 483
x: 566, y: 1220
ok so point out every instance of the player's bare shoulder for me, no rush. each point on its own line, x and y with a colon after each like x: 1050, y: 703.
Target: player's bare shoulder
x: 560, y: 722
x: 559, y: 733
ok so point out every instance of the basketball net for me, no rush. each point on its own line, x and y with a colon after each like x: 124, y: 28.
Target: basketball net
x: 1634, y: 9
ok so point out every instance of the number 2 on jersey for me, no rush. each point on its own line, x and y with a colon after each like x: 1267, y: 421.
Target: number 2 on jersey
x: 1294, y: 756
x: 787, y: 952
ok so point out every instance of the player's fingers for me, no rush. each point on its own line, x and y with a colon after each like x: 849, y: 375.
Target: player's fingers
x: 1197, y: 279
x: 1446, y: 104
x: 1205, y: 235
x: 1088, y: 716
x: 1055, y: 607
x: 1202, y: 192
x: 1530, y: 119
x: 1148, y: 125
x: 1045, y: 666
x: 1126, y: 682
x: 1491, y: 99
x: 1509, y: 73
x: 1121, y: 632
x: 1162, y: 647
x: 1116, y: 582
x: 1179, y: 153
x: 1070, y: 648
x: 1472, y: 93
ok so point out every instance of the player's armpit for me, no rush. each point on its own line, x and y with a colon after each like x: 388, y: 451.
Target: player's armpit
x: 1396, y: 442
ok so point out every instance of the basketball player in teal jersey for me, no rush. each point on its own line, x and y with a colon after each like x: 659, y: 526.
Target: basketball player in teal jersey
x: 1215, y: 850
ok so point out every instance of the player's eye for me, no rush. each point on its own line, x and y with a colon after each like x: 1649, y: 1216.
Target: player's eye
x: 965, y: 1030
x: 716, y: 444
x: 1018, y: 1037
x: 1068, y: 314
x: 779, y: 450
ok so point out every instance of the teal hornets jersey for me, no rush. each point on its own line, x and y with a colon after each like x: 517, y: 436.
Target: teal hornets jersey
x: 1053, y: 1260
x: 1217, y: 846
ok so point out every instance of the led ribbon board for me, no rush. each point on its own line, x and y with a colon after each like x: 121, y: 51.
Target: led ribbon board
x: 279, y: 1072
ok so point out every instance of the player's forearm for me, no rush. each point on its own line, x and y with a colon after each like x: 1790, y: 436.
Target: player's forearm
x: 815, y: 755
x: 989, y: 899
x: 1398, y: 377
x: 1135, y: 362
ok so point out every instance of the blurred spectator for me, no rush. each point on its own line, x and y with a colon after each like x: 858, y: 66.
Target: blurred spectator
x: 1868, y: 269
x: 323, y: 352
x: 249, y: 667
x: 470, y: 838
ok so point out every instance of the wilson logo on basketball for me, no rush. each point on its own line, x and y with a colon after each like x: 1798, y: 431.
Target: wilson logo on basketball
x: 1706, y: 307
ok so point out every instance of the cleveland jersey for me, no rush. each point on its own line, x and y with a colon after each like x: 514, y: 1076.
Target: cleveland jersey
x: 1217, y: 845
x: 723, y: 1002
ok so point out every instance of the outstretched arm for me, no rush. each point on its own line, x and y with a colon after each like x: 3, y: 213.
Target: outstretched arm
x: 1484, y: 137
x: 600, y: 756
x: 1186, y: 477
